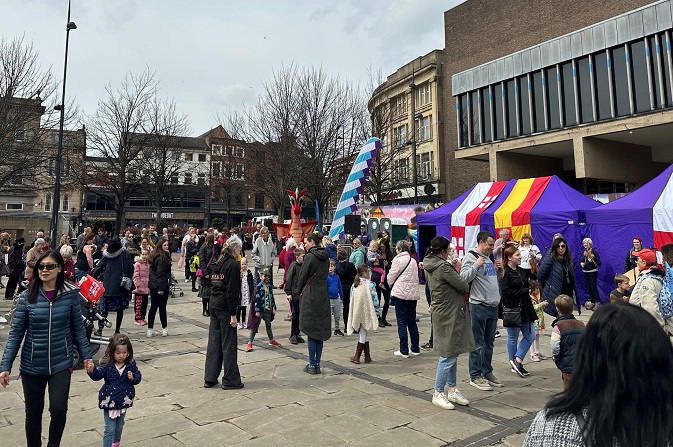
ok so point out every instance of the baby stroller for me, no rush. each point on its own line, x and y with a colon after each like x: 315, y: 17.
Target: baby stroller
x: 174, y: 287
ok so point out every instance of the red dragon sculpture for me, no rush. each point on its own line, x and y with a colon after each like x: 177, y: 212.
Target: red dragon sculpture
x: 296, y: 227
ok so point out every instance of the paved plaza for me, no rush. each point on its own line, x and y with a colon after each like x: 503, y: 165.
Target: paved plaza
x: 387, y: 402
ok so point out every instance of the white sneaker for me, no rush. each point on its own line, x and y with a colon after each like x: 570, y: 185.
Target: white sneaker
x: 457, y: 398
x: 439, y: 400
x: 2, y: 319
x: 399, y: 354
x: 164, y: 332
x: 150, y: 333
x: 239, y: 325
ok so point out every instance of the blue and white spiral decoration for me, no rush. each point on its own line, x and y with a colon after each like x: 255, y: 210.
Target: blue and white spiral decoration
x: 355, y: 183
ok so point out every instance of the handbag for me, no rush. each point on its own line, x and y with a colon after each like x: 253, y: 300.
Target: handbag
x: 199, y: 272
x: 127, y: 283
x: 511, y: 316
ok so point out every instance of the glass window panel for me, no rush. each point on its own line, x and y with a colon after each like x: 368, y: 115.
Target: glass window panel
x: 463, y: 119
x: 476, y: 131
x: 538, y: 103
x: 552, y: 79
x: 622, y: 106
x: 655, y: 54
x: 641, y: 86
x: 584, y: 84
x: 567, y: 84
x: 486, y: 107
x: 602, y: 85
x: 498, y: 96
x: 524, y: 108
x: 511, y: 108
x: 665, y: 53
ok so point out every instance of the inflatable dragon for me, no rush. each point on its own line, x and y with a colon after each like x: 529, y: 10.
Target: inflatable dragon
x: 296, y: 227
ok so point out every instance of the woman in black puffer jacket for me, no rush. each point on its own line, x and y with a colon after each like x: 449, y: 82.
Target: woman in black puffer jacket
x: 115, y: 263
x: 159, y: 285
x: 557, y: 276
x: 48, y: 316
x: 514, y: 291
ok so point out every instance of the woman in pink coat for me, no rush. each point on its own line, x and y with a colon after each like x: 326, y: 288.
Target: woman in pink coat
x: 403, y: 281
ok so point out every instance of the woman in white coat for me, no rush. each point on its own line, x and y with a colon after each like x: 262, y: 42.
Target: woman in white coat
x: 403, y: 280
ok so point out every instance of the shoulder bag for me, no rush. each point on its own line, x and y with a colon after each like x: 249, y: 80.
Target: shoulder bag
x: 511, y: 316
x: 398, y: 276
x: 199, y: 272
x: 127, y: 283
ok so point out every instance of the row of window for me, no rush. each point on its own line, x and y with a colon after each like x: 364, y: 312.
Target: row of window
x: 425, y: 164
x: 423, y: 131
x: 228, y: 150
x: 422, y: 97
x: 623, y: 80
x: 228, y: 170
x: 189, y: 156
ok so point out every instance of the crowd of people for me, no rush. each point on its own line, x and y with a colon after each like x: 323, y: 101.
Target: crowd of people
x: 331, y: 292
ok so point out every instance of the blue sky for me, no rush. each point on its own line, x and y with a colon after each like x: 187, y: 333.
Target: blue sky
x: 212, y: 56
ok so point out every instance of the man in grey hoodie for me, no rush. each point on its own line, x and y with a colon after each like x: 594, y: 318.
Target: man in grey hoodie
x: 480, y: 272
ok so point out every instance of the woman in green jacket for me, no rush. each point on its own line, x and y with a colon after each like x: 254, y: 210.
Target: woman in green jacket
x: 452, y: 333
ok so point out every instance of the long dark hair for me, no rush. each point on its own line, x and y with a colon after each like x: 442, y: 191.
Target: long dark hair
x: 388, y: 254
x: 159, y: 252
x: 632, y: 372
x: 554, y: 253
x: 36, y: 284
x: 117, y: 340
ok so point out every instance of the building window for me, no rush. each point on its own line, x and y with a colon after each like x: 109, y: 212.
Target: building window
x: 553, y: 101
x: 524, y: 104
x: 486, y: 110
x: 621, y: 83
x: 20, y: 135
x: 240, y: 170
x: 259, y: 200
x: 584, y: 89
x: 65, y: 203
x: 52, y: 167
x: 426, y: 161
x: 240, y: 152
x: 511, y: 96
x: 568, y: 94
x: 462, y: 108
x: 188, y: 178
x: 402, y: 169
x: 216, y: 169
x: 16, y: 179
x: 424, y: 128
x: 217, y: 149
x: 640, y: 59
x: 498, y: 116
x: 201, y: 180
x: 602, y: 74
x: 400, y: 135
x: 14, y: 206
x: 665, y: 58
x: 476, y: 122
x: 202, y: 158
x: 47, y: 202
x: 400, y: 105
x: 189, y: 156
x: 174, y: 179
x: 237, y: 198
x: 175, y: 156
x: 423, y: 95
x: 230, y: 150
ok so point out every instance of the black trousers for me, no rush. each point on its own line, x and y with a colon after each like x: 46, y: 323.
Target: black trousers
x: 33, y: 392
x: 158, y: 302
x: 294, y: 329
x: 346, y: 303
x: 10, y: 288
x: 221, y: 353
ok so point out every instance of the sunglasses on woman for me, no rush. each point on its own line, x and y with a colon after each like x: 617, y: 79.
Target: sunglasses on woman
x: 47, y: 266
x: 562, y: 246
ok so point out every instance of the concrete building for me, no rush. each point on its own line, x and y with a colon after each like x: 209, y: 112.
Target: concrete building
x: 580, y: 89
x: 408, y: 113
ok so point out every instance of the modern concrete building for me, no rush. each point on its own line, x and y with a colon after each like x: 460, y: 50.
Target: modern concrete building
x: 581, y: 89
x: 407, y: 113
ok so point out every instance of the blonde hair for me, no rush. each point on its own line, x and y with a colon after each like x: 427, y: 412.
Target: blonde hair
x: 374, y: 245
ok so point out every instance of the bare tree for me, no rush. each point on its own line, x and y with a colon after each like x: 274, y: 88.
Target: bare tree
x: 118, y: 134
x: 28, y: 94
x: 162, y: 157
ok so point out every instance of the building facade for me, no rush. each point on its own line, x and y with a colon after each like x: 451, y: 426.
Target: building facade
x: 579, y: 89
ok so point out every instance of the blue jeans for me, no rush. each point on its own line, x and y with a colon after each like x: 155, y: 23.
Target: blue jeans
x: 528, y: 331
x: 405, y: 311
x: 446, y: 373
x: 484, y: 321
x: 314, y: 352
x: 79, y: 274
x: 113, y: 428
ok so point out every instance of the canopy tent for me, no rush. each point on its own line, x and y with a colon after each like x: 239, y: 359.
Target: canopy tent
x: 646, y: 213
x: 539, y: 206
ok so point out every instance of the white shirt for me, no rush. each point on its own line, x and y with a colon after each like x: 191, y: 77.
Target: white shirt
x: 527, y: 252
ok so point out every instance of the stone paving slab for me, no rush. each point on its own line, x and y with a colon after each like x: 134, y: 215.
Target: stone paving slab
x: 387, y: 402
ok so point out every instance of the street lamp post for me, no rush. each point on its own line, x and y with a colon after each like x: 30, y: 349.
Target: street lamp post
x: 412, y: 86
x: 59, y: 154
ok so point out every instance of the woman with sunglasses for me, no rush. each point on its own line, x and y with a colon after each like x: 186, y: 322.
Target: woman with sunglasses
x: 557, y: 275
x: 49, y: 322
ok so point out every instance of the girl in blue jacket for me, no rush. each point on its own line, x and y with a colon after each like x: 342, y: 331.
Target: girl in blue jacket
x: 116, y: 395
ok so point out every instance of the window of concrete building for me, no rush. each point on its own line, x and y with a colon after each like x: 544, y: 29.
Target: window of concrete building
x: 65, y: 202
x: 656, y: 70
x: 584, y: 68
x: 400, y: 105
x: 568, y: 88
x: 217, y: 149
x: 621, y: 84
x: 511, y: 97
x: 486, y: 110
x: 498, y: 116
x: 463, y: 120
x: 424, y: 128
x: 641, y: 86
x: 552, y: 79
x: 602, y: 78
x: 239, y: 172
x: 216, y: 169
x: 188, y: 178
x: 425, y: 162
x: 174, y: 179
x: 202, y: 157
x: 201, y: 179
x: 475, y: 104
x: 14, y: 206
x: 259, y: 200
x: 666, y: 64
x: 188, y: 156
x: 524, y: 105
x: 423, y: 95
x: 402, y: 169
x: 537, y: 88
x: 400, y: 135
x: 47, y: 202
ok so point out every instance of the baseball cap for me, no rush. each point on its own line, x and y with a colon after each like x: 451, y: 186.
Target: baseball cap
x: 646, y: 255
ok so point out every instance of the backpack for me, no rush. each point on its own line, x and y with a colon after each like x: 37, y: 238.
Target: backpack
x: 665, y: 298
